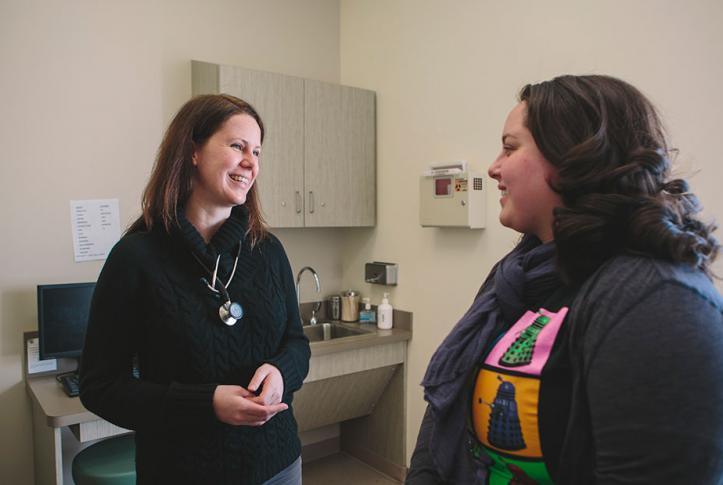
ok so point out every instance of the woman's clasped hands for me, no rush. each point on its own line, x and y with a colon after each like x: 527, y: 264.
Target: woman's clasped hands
x: 241, y: 406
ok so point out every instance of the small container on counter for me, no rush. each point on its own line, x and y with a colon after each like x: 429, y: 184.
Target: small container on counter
x: 367, y: 315
x: 350, y: 306
x: 334, y: 307
x: 385, y: 314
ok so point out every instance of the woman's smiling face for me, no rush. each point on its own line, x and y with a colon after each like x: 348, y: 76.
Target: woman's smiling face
x: 227, y: 164
x: 523, y: 177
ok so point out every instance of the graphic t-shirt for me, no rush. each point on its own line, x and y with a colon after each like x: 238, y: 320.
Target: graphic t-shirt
x: 521, y: 392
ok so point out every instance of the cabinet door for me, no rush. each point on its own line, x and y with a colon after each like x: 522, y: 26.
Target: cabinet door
x: 339, y: 155
x: 279, y: 101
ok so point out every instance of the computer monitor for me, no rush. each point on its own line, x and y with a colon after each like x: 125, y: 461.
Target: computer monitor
x: 62, y: 318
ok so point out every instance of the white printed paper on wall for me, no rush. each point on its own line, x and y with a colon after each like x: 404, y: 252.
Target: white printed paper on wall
x: 96, y: 228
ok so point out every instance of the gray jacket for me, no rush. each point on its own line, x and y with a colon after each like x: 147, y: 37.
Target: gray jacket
x: 646, y: 347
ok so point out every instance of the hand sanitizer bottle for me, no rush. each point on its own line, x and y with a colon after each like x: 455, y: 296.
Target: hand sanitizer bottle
x: 385, y: 314
x: 367, y: 315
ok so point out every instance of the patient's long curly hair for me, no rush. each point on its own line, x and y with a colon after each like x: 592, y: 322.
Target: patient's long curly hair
x: 613, y: 173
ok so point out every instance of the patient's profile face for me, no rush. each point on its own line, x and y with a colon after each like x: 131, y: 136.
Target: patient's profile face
x: 523, y: 175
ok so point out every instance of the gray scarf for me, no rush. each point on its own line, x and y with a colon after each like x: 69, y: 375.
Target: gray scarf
x: 522, y: 280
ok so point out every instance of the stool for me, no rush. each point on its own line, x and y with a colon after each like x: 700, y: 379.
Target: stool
x: 108, y: 462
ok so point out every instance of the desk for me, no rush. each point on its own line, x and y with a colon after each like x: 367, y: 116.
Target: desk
x: 61, y: 428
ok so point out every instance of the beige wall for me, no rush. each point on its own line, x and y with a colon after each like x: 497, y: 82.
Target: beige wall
x: 87, y: 89
x: 446, y: 74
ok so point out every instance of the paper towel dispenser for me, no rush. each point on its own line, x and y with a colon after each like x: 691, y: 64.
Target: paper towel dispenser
x: 381, y: 273
x: 450, y: 195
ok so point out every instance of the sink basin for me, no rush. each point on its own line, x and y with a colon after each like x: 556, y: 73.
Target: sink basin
x: 330, y: 331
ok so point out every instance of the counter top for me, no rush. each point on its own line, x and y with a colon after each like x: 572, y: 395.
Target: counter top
x: 59, y: 409
x: 402, y: 330
x: 372, y: 336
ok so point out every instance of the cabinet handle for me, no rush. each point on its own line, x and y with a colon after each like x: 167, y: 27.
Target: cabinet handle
x: 298, y: 202
x: 311, y: 202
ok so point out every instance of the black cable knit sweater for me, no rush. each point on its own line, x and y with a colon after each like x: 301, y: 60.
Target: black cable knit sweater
x: 149, y: 303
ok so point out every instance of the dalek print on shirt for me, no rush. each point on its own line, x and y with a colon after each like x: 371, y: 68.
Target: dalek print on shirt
x: 504, y: 430
x: 506, y: 398
x: 520, y: 352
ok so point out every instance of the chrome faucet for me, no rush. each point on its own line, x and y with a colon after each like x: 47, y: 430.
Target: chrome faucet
x: 312, y: 320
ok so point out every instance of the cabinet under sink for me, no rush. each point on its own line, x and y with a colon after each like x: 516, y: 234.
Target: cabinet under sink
x: 328, y: 401
x: 357, y: 381
x: 347, y: 384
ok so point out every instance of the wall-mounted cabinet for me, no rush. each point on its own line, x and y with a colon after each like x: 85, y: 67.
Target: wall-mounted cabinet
x: 339, y: 155
x: 318, y: 162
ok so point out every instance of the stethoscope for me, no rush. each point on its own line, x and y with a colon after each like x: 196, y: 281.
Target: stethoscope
x: 230, y: 311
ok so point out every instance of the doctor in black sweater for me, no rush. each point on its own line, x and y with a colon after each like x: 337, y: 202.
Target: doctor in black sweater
x: 202, y: 298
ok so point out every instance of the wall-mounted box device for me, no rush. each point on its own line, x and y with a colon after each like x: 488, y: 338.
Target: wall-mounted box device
x: 451, y: 196
x: 381, y: 273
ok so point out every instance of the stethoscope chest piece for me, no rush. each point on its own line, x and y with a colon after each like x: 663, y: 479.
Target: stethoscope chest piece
x: 230, y: 313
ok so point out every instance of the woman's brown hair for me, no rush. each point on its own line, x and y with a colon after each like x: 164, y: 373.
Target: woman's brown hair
x: 607, y: 143
x: 171, y: 180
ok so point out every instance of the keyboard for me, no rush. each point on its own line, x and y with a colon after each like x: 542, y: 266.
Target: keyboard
x: 70, y: 383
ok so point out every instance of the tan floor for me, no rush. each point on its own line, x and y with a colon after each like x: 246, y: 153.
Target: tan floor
x: 342, y: 469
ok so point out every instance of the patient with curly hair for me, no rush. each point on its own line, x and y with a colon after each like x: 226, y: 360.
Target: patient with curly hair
x: 593, y: 352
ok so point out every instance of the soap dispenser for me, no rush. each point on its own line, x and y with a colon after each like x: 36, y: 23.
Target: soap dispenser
x: 385, y: 314
x: 367, y: 315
